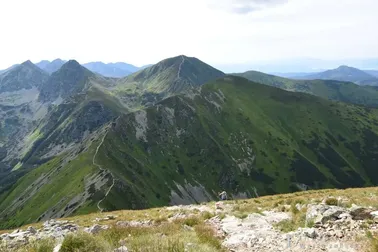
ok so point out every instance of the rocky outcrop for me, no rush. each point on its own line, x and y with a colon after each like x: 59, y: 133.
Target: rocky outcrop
x: 338, y: 227
x: 50, y: 229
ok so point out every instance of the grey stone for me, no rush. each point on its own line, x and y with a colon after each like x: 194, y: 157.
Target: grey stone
x: 95, y: 229
x: 31, y: 230
x: 121, y: 249
x: 310, y: 233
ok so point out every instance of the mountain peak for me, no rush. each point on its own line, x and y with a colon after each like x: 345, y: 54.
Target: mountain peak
x: 174, y: 75
x: 345, y: 67
x: 27, y: 63
x: 73, y: 66
x: 72, y: 63
x: 23, y: 76
x: 57, y: 60
x: 69, y: 80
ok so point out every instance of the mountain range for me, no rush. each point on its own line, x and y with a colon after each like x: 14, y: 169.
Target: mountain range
x: 117, y: 70
x: 73, y: 141
x: 342, y: 73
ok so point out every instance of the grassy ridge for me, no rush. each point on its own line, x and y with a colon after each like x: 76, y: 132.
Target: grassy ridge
x: 235, y: 135
x: 253, y: 137
x: 330, y: 89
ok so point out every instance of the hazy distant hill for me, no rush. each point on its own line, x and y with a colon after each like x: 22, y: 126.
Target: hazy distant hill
x: 118, y: 69
x: 52, y: 66
x: 372, y: 72
x: 345, y: 73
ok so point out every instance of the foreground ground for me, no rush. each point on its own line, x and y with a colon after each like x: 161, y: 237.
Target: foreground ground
x: 325, y: 220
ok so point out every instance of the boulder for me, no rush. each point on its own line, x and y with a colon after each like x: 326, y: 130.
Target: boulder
x: 360, y: 213
x: 331, y: 214
x: 315, y: 210
x: 31, y: 230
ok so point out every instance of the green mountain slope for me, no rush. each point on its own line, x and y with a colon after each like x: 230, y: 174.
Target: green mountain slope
x: 330, y: 89
x: 346, y: 73
x: 232, y: 134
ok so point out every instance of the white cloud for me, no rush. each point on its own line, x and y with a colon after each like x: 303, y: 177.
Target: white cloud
x: 146, y: 31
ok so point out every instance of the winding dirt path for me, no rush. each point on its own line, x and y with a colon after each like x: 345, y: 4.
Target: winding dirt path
x: 102, y: 169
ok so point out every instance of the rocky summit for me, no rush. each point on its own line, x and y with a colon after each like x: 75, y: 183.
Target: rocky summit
x: 309, y: 221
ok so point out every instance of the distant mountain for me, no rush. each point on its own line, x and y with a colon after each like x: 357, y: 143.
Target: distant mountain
x: 111, y: 69
x: 292, y: 75
x: 330, y: 89
x: 372, y: 72
x: 345, y: 73
x: 118, y: 70
x: 52, y: 66
x: 172, y: 75
x: 23, y: 76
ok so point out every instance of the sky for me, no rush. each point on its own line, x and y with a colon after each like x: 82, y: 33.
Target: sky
x: 229, y: 34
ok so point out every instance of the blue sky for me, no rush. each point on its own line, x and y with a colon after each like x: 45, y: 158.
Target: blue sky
x: 224, y: 33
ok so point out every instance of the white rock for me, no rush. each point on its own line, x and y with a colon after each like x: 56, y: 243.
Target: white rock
x: 315, y: 210
x: 374, y: 214
x: 121, y: 249
x: 345, y: 216
x: 18, y: 234
x: 57, y: 247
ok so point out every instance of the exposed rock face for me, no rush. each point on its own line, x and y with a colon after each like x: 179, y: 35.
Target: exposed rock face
x: 335, y: 230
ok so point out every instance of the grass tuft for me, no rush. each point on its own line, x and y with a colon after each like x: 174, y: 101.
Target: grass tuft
x: 331, y: 201
x: 84, y: 242
x: 207, y: 235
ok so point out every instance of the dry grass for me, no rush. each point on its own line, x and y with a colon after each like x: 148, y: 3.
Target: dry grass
x: 175, y: 236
